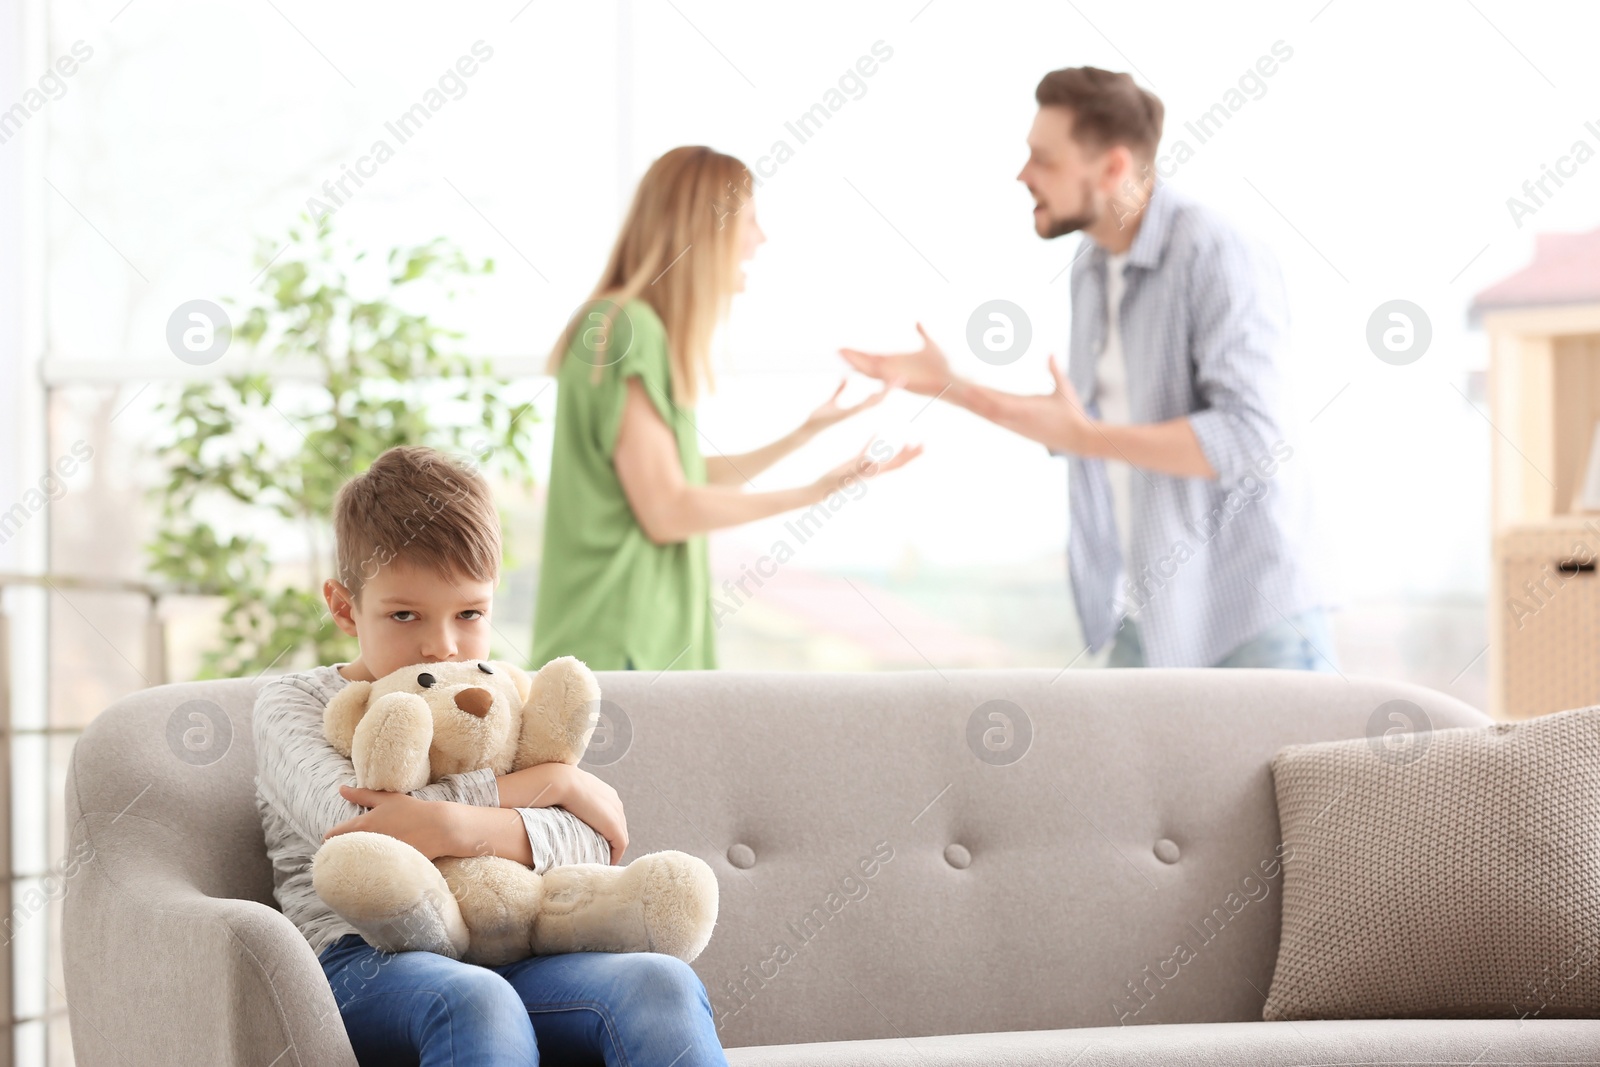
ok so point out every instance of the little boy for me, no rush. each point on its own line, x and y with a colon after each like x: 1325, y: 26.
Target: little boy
x: 418, y: 544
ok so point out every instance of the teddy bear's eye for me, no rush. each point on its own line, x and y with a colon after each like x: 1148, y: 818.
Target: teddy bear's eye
x: 426, y: 680
x: 485, y: 668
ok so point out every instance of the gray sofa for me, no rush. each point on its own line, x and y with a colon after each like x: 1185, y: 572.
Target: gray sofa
x: 941, y: 900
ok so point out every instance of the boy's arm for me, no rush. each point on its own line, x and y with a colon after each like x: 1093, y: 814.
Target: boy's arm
x: 577, y: 802
x: 568, y: 838
x: 546, y: 835
x: 539, y: 838
x: 299, y: 773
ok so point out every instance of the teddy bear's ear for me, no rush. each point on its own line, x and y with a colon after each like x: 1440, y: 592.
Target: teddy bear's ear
x: 519, y: 676
x: 344, y: 711
x: 559, y: 716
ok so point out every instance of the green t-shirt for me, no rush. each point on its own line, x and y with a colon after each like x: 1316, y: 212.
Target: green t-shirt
x: 607, y: 594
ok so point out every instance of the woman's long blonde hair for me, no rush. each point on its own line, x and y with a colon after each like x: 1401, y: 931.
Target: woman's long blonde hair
x: 679, y: 252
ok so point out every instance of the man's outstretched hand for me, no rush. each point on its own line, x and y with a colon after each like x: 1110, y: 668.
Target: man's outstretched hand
x: 1055, y: 419
x: 924, y: 371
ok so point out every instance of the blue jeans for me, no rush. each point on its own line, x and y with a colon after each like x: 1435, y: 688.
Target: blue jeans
x: 1303, y: 643
x: 421, y: 1009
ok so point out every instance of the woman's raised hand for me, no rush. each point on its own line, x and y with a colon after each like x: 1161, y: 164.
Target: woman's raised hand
x: 865, y: 464
x: 924, y: 371
x: 831, y: 411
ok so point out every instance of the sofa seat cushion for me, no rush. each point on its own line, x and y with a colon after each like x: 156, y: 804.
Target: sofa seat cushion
x: 1374, y: 1041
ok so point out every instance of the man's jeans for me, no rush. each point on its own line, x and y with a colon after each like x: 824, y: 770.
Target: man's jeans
x: 421, y: 1009
x: 1303, y: 643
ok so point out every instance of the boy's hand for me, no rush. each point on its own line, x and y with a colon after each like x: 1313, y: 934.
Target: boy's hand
x: 422, y: 824
x: 597, y: 804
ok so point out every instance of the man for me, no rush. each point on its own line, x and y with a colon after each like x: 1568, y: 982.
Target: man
x: 1188, y: 526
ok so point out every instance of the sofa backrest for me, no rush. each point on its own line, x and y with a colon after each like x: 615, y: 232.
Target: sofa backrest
x: 898, y: 854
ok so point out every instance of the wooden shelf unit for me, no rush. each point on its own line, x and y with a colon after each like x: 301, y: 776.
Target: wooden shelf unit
x: 1544, y: 604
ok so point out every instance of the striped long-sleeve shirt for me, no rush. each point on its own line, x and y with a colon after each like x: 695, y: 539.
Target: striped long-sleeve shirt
x: 1204, y: 331
x: 298, y: 775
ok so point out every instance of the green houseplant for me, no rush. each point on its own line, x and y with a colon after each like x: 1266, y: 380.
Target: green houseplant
x: 339, y: 371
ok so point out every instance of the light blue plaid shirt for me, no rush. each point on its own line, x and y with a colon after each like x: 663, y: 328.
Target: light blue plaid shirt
x: 1204, y: 331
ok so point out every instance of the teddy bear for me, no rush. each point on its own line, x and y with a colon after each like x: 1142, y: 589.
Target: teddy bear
x: 419, y: 723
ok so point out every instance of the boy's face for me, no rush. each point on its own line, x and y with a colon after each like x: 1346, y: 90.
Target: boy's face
x: 409, y: 615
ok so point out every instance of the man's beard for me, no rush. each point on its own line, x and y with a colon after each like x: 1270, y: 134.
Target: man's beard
x: 1062, y: 227
x: 1074, y: 223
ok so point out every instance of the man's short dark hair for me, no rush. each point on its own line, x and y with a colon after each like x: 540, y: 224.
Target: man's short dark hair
x: 1107, y: 109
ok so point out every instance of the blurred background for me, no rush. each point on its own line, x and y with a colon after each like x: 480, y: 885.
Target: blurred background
x: 153, y: 154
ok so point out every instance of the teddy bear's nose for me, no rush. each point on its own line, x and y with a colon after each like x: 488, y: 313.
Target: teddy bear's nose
x: 475, y: 701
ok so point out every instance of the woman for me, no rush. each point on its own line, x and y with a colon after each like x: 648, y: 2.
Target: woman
x: 625, y: 580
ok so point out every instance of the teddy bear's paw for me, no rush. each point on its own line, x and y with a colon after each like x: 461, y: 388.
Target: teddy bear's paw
x: 498, y: 899
x: 394, y: 897
x: 563, y: 708
x: 662, y: 902
x: 591, y: 907
x: 390, y: 748
x: 680, y: 902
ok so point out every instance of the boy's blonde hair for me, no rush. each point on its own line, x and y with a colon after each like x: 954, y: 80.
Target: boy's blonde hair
x: 422, y: 507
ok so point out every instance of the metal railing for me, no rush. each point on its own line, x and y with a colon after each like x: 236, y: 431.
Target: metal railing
x: 155, y: 673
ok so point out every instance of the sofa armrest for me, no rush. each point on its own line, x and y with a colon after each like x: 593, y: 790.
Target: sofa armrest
x: 157, y: 971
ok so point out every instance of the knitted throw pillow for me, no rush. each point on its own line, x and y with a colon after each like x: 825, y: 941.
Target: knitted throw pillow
x: 1456, y: 874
